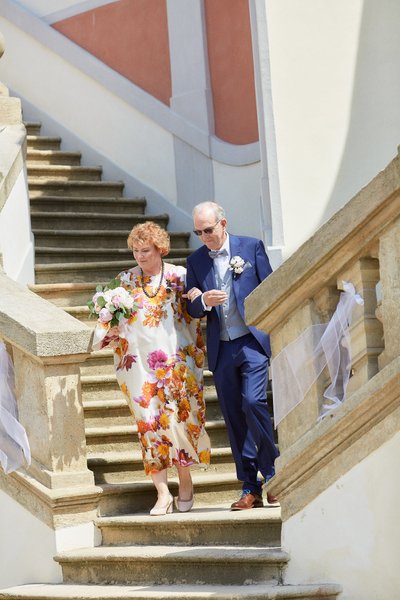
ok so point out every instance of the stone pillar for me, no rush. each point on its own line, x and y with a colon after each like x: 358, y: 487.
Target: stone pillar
x: 271, y: 206
x: 366, y: 330
x: 191, y: 97
x: 191, y: 92
x: 389, y: 260
x: 50, y: 408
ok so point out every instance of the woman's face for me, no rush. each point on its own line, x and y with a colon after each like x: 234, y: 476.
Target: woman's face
x: 148, y: 258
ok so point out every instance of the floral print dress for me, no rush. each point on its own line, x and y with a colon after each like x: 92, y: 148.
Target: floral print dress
x: 158, y: 359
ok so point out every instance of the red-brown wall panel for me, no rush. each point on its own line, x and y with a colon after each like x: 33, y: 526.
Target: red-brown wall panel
x: 131, y: 36
x: 231, y: 70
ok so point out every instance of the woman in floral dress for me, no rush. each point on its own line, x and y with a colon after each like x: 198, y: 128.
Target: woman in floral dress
x: 158, y: 359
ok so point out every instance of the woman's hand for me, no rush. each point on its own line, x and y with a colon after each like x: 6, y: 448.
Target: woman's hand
x: 113, y: 331
x: 192, y: 294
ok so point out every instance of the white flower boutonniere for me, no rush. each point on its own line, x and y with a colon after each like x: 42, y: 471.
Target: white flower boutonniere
x: 237, y: 265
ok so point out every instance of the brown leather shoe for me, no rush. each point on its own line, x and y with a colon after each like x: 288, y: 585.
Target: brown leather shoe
x: 248, y: 500
x: 272, y: 499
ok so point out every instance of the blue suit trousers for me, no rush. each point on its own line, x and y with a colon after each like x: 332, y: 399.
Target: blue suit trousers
x: 241, y: 378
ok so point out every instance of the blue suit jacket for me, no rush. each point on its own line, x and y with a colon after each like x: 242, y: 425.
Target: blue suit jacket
x: 200, y: 274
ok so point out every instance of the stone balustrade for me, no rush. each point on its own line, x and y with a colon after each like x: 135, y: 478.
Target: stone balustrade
x: 47, y: 347
x: 360, y: 244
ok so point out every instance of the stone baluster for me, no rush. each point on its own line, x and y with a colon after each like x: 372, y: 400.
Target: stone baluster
x: 366, y: 330
x: 389, y: 260
x: 302, y: 418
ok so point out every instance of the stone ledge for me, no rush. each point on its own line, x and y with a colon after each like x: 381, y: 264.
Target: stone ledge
x: 65, y: 591
x: 56, y: 508
x: 11, y: 156
x: 366, y: 420
x: 38, y: 327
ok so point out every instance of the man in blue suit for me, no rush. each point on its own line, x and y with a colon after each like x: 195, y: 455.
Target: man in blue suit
x: 226, y: 269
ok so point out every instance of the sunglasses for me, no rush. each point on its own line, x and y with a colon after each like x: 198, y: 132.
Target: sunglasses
x: 207, y: 230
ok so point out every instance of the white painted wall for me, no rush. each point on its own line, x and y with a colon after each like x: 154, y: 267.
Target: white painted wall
x: 335, y: 87
x: 61, y: 9
x: 16, y: 239
x: 237, y: 189
x: 350, y: 533
x: 27, y: 546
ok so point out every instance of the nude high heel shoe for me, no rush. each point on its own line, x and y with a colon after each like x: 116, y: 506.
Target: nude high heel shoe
x: 184, y: 505
x: 163, y: 510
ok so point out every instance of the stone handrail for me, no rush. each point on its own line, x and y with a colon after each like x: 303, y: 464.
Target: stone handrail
x: 47, y: 347
x: 11, y: 157
x: 361, y: 244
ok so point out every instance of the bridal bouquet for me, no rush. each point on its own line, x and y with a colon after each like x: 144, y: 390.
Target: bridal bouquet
x: 111, y: 303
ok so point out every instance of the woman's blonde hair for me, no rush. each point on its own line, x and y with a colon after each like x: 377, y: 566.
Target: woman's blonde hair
x: 149, y: 233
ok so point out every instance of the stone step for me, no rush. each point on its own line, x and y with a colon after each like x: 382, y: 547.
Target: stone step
x: 85, y: 272
x: 104, y: 388
x: 102, y: 363
x: 127, y: 466
x: 66, y: 238
x: 109, y: 403
x: 100, y: 360
x: 84, y: 220
x: 107, y: 412
x: 33, y: 127
x: 53, y: 157
x: 48, y: 255
x: 54, y: 187
x: 65, y: 294
x: 63, y: 173
x: 61, y: 591
x: 200, y: 527
x: 82, y: 204
x: 166, y: 565
x: 116, y: 412
x: 210, y: 489
x: 109, y: 388
x: 123, y: 437
x: 43, y: 142
x: 83, y: 314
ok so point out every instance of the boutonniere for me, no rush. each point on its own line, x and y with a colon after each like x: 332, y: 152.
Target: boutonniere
x: 237, y: 265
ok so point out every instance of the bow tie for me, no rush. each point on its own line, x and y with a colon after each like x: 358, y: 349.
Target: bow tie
x: 215, y: 253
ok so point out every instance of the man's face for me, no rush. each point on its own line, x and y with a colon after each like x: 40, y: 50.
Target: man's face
x: 215, y: 233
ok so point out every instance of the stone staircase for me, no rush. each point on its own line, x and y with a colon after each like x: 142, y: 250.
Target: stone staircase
x: 81, y: 224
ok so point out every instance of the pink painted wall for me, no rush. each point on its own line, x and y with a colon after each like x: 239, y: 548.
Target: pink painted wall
x: 231, y: 70
x: 130, y: 36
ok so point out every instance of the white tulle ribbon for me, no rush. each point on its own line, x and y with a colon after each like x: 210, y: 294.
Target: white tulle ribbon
x: 14, y: 445
x: 300, y: 363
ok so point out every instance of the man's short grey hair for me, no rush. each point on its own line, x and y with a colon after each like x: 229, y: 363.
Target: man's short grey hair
x: 213, y: 206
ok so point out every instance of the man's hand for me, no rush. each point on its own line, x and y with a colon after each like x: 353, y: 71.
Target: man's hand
x: 214, y: 297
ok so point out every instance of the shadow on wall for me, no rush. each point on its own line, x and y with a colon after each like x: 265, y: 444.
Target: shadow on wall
x: 374, y: 126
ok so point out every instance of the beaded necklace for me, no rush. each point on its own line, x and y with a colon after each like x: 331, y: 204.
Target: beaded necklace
x: 159, y: 285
